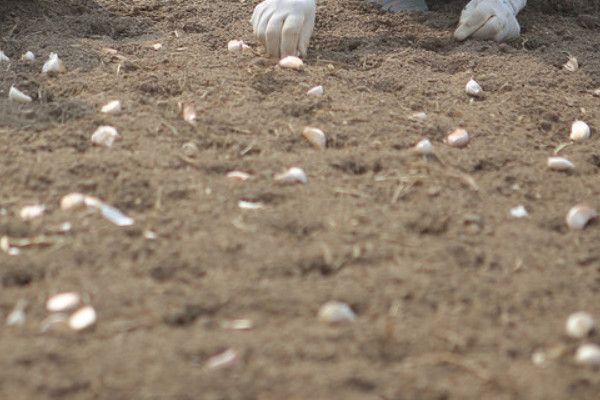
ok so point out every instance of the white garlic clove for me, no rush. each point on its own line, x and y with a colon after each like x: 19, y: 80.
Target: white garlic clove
x: 291, y: 62
x: 579, y: 216
x: 418, y: 117
x: 3, y: 57
x: 28, y: 213
x: 596, y: 92
x: 72, y: 201
x: 238, y: 175
x: 17, y: 316
x: 15, y: 94
x: 315, y: 91
x: 112, y: 107
x: 189, y: 113
x: 115, y: 216
x: 560, y: 164
x: 29, y: 56
x: 519, y: 211
x: 227, y: 358
x: 588, y: 354
x: 105, y: 136
x: 423, y: 148
x: 83, y: 319
x: 157, y: 46
x: 458, y: 138
x: 249, y: 205
x: 238, y: 324
x: 63, y: 302
x: 237, y: 45
x: 336, y: 312
x: 291, y: 176
x: 579, y: 131
x: 472, y: 88
x: 315, y: 137
x: 91, y: 201
x: 579, y: 325
x: 571, y: 65
x: 54, y: 64
x: 190, y: 149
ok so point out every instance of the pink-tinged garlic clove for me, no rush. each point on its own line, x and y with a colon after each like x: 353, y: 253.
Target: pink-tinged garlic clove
x: 315, y: 137
x: 473, y: 89
x: 105, y: 136
x: 112, y: 107
x: 291, y: 176
x: 237, y: 45
x: 28, y: 213
x: 423, y: 148
x: 579, y: 325
x: 336, y: 312
x: 83, y: 319
x: 580, y: 131
x: 189, y: 149
x: 238, y: 175
x: 579, y: 216
x: 458, y: 138
x: 15, y: 94
x: 560, y: 164
x: 315, y: 91
x: 63, y: 302
x: 228, y: 358
x: 54, y: 64
x: 291, y: 62
x: 72, y: 201
x: 588, y: 354
x: 189, y: 114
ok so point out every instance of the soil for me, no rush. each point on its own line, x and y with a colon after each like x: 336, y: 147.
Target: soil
x: 454, y: 298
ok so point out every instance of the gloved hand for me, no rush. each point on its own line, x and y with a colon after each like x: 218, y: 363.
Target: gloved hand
x: 490, y: 19
x: 284, y: 26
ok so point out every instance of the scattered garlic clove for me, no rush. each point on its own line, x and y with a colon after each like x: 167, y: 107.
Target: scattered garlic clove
x: 238, y: 324
x: 571, y: 65
x: 249, y: 205
x: 17, y: 316
x: 237, y: 45
x: 105, y: 136
x: 157, y: 46
x: 596, y: 92
x: 316, y: 91
x: 316, y: 137
x: 29, y: 56
x: 150, y: 235
x: 115, y: 216
x: 579, y: 216
x: 238, y: 175
x: 189, y: 149
x: 72, y: 201
x: 579, y: 325
x: 560, y: 164
x: 28, y: 213
x: 291, y: 176
x: 418, y: 117
x: 423, y: 148
x: 458, y: 138
x: 472, y: 88
x: 54, y: 64
x: 336, y: 312
x: 91, y: 201
x: 3, y: 57
x: 588, y: 354
x: 63, y: 302
x: 83, y: 319
x: 189, y: 113
x: 291, y: 62
x: 519, y: 211
x: 227, y: 358
x: 16, y: 95
x: 579, y: 131
x: 113, y: 107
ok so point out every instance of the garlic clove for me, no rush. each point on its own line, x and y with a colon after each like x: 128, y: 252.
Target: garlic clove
x: 116, y: 216
x: 112, y: 107
x: 28, y: 213
x: 54, y: 64
x: 315, y: 91
x: 189, y: 113
x: 579, y: 131
x: 249, y: 205
x: 63, y: 302
x: 237, y: 45
x: 473, y: 89
x: 91, y: 201
x: 17, y: 316
x: 15, y: 94
x: 190, y: 149
x: 588, y: 354
x: 418, y: 117
x: 458, y: 138
x: 29, y: 56
x: 227, y: 358
x: 336, y: 312
x: 3, y: 57
x: 519, y: 211
x: 83, y: 319
x: 579, y: 216
x: 105, y: 136
x: 291, y: 62
x: 72, y: 201
x: 579, y: 325
x: 560, y: 164
x: 571, y: 65
x: 423, y: 148
x: 291, y: 176
x: 316, y: 137
x: 157, y: 46
x: 238, y: 175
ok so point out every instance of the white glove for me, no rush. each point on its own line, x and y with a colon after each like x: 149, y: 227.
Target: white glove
x: 284, y: 26
x: 490, y: 19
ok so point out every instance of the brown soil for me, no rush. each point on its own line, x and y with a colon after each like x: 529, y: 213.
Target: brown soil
x: 477, y: 292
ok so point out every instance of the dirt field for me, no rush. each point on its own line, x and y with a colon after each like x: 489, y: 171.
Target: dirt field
x: 453, y: 296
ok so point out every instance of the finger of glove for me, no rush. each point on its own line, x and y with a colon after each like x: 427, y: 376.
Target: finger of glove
x: 472, y: 21
x: 273, y: 35
x: 309, y: 25
x: 492, y: 28
x: 290, y: 35
x: 258, y: 11
x: 263, y: 22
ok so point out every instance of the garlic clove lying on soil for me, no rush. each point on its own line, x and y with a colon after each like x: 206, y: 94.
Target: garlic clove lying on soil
x: 579, y: 216
x: 560, y: 164
x: 423, y: 148
x: 315, y: 91
x: 105, y: 136
x: 29, y: 56
x: 28, y: 213
x: 336, y: 312
x: 291, y: 62
x: 473, y: 89
x: 316, y: 137
x: 588, y: 354
x: 579, y: 325
x: 238, y: 175
x: 15, y: 94
x: 83, y: 319
x: 519, y: 211
x: 291, y: 176
x: 250, y: 205
x: 579, y: 131
x: 190, y: 149
x: 571, y: 65
x: 63, y: 302
x: 112, y: 107
x: 72, y: 201
x: 54, y: 64
x: 227, y: 358
x: 3, y: 57
x: 116, y: 216
x: 237, y: 45
x: 458, y: 138
x: 189, y: 113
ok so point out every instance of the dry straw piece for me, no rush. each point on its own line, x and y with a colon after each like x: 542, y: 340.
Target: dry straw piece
x: 336, y: 312
x: 579, y: 216
x: 291, y: 62
x: 579, y: 325
x: 315, y: 137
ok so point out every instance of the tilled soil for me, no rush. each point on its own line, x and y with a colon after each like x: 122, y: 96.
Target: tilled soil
x: 454, y: 297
